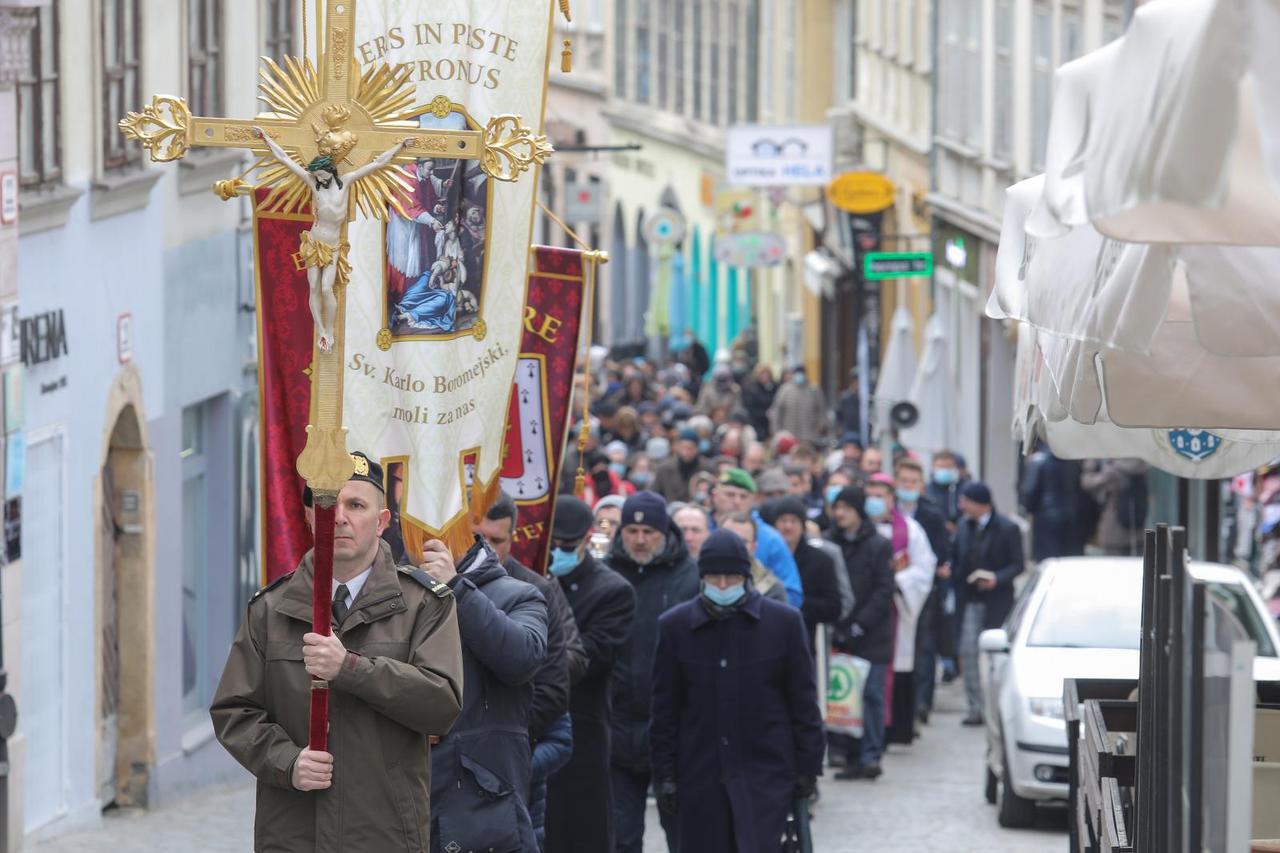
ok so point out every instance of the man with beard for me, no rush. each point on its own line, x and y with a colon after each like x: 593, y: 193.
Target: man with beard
x: 579, y: 797
x: 650, y: 554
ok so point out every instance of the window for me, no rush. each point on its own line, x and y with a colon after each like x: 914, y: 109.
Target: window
x: 121, y: 43
x: 677, y: 49
x: 1002, y: 142
x: 1041, y: 79
x: 1072, y: 33
x: 753, y: 60
x: 204, y: 56
x: 713, y: 81
x: 950, y: 78
x: 731, y: 96
x: 196, y: 681
x: 1113, y: 21
x: 664, y: 55
x: 697, y: 60
x: 620, y: 49
x: 973, y: 73
x: 279, y: 43
x: 644, y: 60
x: 39, y: 145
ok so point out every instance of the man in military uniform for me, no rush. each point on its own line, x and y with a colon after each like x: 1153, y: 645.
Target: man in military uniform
x: 394, y: 667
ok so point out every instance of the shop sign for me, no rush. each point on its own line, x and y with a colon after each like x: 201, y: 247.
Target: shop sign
x: 736, y: 210
x: 664, y: 227
x: 877, y: 266
x: 44, y: 337
x: 750, y: 250
x: 582, y: 202
x: 8, y: 197
x: 861, y: 192
x: 779, y: 155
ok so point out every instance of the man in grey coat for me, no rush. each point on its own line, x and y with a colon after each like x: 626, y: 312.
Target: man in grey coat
x: 480, y: 771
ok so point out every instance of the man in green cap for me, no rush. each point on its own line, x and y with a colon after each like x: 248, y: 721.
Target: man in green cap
x: 736, y: 491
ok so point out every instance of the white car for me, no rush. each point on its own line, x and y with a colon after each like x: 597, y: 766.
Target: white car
x: 1078, y: 617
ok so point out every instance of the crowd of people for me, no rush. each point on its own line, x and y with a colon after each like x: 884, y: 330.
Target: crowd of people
x: 725, y: 545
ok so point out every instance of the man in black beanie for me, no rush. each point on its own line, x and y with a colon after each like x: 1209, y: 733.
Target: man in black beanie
x: 987, y: 557
x: 650, y: 554
x: 736, y: 734
x: 868, y: 631
x: 579, y: 797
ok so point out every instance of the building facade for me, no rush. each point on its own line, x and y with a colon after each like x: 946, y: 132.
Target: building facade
x: 995, y: 61
x: 139, y: 391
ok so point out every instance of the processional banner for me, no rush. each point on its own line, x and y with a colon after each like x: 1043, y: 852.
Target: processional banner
x: 537, y: 415
x: 436, y: 291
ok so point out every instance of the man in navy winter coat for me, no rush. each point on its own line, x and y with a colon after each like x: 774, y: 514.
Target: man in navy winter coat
x: 480, y: 770
x: 736, y: 735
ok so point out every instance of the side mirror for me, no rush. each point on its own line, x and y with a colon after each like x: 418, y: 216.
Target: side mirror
x: 993, y: 640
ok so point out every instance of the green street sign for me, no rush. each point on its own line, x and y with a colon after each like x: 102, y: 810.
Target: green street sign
x: 877, y: 266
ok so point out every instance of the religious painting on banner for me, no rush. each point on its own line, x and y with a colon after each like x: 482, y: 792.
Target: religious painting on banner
x: 433, y: 320
x: 538, y: 410
x: 538, y: 416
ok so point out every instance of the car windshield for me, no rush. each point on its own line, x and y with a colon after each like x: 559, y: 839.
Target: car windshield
x: 1091, y: 609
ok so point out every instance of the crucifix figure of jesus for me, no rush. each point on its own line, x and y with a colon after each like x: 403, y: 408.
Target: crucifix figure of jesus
x: 322, y: 248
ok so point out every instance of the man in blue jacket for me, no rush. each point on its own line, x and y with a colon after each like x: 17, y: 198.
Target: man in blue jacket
x: 736, y: 734
x: 736, y: 491
x: 480, y: 771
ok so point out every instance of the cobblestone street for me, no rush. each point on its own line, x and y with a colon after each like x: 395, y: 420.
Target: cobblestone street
x: 930, y: 792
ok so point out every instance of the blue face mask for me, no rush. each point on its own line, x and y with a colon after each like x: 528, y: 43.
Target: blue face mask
x: 619, y: 468
x: 562, y: 561
x: 908, y: 496
x: 724, y: 597
x: 704, y: 446
x: 875, y: 507
x: 944, y: 476
x: 642, y: 478
x: 800, y: 379
x: 833, y: 492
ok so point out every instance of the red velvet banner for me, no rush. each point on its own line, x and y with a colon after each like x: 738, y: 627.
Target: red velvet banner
x: 537, y: 419
x: 538, y: 416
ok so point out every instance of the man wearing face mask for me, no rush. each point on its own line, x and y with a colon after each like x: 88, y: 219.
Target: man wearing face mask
x: 866, y: 632
x: 736, y: 734
x: 801, y: 409
x: 671, y: 476
x: 720, y: 393
x: 914, y: 565
x: 579, y: 796
x: 944, y: 486
x: 650, y: 554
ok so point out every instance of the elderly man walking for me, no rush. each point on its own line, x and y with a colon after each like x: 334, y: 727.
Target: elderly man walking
x: 650, y: 554
x: 736, y: 734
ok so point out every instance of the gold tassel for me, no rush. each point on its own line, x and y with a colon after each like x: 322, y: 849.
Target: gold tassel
x: 566, y: 57
x: 564, y: 9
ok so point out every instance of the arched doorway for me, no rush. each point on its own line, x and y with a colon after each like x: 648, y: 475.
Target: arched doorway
x: 124, y: 557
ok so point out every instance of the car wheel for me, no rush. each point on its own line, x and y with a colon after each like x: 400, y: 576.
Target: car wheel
x: 992, y: 784
x: 1012, y: 811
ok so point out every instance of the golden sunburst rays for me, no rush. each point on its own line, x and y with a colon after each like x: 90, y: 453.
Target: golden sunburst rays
x: 292, y: 90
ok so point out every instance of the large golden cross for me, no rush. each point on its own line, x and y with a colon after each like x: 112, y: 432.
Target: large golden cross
x: 354, y: 117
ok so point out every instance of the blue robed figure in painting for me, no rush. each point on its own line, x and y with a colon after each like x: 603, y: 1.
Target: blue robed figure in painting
x: 431, y: 302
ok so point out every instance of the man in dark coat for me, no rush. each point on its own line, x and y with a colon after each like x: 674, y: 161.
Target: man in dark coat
x: 736, y: 735
x: 650, y: 554
x: 868, y: 631
x: 1050, y: 493
x: 480, y: 770
x: 566, y: 660
x: 908, y: 477
x: 671, y: 476
x: 822, y: 600
x: 987, y: 557
x: 579, y: 796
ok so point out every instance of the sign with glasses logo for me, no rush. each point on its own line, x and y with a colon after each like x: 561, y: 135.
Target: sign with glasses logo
x: 779, y: 156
